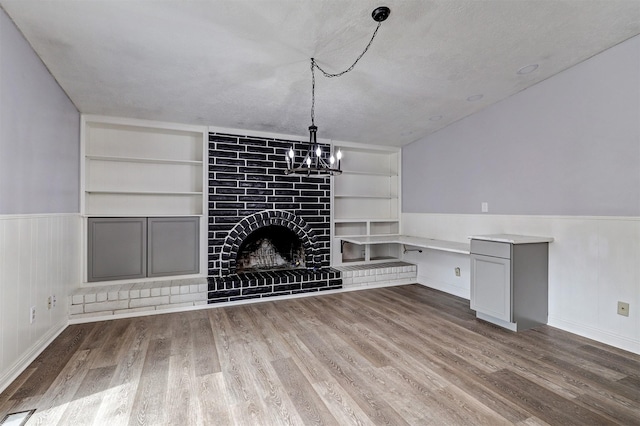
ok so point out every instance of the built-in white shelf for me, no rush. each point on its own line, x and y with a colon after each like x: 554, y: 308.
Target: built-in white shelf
x: 407, y: 240
x: 375, y: 197
x: 366, y: 202
x: 145, y: 192
x: 136, y: 167
x: 197, y: 163
x: 369, y: 173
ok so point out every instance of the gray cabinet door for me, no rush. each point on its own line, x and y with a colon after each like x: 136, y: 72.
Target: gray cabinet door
x: 173, y: 246
x: 117, y: 248
x: 491, y: 286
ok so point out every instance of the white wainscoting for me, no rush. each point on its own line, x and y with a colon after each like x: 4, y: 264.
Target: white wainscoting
x: 39, y: 257
x: 593, y: 264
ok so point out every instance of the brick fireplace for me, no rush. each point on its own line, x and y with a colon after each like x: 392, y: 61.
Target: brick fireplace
x: 248, y: 190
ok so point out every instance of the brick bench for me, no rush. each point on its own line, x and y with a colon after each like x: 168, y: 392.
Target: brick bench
x: 102, y: 302
x: 123, y: 299
x: 378, y: 274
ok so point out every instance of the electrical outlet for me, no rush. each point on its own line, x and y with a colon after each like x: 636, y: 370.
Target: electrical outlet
x: 32, y: 314
x: 485, y: 207
x: 51, y: 301
x: 457, y: 270
x: 623, y: 309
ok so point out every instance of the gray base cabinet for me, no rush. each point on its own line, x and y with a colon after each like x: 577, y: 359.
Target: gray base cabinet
x: 509, y: 281
x: 173, y: 247
x: 117, y: 248
x: 139, y: 247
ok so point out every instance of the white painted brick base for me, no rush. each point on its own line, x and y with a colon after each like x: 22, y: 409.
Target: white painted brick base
x: 122, y: 299
x: 378, y: 274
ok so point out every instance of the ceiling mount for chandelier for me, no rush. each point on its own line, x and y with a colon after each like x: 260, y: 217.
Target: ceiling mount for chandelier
x: 315, y: 161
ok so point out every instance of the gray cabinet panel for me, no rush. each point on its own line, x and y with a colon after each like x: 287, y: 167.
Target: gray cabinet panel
x: 491, y: 289
x: 173, y: 246
x: 117, y: 248
x: 491, y: 248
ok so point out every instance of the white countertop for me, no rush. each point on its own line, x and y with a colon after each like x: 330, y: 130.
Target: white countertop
x: 428, y: 243
x: 512, y: 238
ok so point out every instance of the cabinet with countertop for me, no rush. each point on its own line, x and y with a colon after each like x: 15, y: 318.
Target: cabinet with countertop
x: 509, y: 279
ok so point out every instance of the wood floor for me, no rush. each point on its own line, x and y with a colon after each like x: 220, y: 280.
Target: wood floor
x: 401, y: 355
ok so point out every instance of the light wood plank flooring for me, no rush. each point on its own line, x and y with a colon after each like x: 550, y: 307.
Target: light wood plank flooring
x: 401, y: 355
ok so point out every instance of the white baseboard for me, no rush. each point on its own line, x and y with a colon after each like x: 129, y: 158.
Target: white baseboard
x: 30, y: 355
x: 605, y: 337
x: 465, y: 293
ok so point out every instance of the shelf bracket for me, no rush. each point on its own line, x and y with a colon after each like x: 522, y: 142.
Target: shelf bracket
x: 406, y: 250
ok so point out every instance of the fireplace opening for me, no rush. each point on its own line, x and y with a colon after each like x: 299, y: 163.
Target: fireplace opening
x: 272, y: 247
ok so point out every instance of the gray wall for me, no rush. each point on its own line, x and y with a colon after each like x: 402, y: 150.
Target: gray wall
x: 569, y: 145
x: 39, y: 133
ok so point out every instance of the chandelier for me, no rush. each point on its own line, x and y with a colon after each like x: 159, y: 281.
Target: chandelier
x: 314, y: 160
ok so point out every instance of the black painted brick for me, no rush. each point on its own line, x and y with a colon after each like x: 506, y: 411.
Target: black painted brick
x: 307, y: 186
x: 229, y: 176
x: 306, y: 290
x: 259, y: 163
x: 229, y: 190
x: 217, y: 184
x: 257, y: 290
x: 287, y: 287
x: 254, y: 142
x: 218, y: 197
x: 253, y: 170
x: 252, y: 156
x: 222, y: 154
x: 281, y: 293
x: 223, y: 293
x: 229, y: 162
x: 260, y: 178
x: 224, y: 205
x: 288, y: 178
x: 230, y: 147
x: 255, y: 185
x: 228, y: 169
x: 281, y: 144
x: 233, y: 299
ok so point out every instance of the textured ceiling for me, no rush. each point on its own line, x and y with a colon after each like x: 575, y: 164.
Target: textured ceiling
x: 245, y: 64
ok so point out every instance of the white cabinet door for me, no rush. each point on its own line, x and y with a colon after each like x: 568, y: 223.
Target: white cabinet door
x: 491, y: 286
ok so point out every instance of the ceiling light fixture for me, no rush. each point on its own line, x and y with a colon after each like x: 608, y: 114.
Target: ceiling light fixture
x: 314, y: 161
x: 528, y: 69
x: 475, y: 98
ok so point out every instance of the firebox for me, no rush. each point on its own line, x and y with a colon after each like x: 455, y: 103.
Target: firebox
x: 272, y: 247
x: 270, y: 240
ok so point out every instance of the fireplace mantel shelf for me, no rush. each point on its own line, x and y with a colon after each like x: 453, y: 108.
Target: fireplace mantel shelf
x: 427, y: 243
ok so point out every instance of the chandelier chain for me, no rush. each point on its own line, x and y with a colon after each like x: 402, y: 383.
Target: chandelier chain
x: 330, y: 75
x: 314, y: 65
